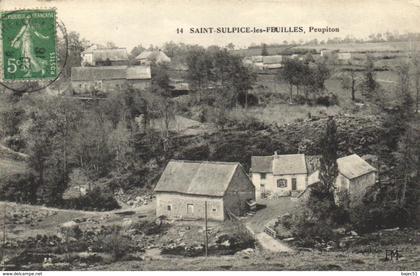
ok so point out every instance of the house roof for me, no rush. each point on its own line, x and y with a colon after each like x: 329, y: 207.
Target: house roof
x: 279, y: 164
x: 98, y: 73
x: 262, y: 164
x: 110, y: 73
x: 272, y: 59
x: 157, y: 55
x: 117, y: 54
x: 138, y: 73
x: 197, y: 177
x: 289, y: 164
x: 353, y: 166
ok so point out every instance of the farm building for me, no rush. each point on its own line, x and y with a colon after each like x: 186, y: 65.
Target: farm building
x: 278, y: 175
x: 148, y: 57
x: 105, y: 79
x: 104, y: 57
x: 272, y: 62
x: 344, y: 56
x: 355, y: 175
x: 186, y: 186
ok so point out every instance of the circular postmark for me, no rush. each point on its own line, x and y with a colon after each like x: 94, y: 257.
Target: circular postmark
x: 29, y: 55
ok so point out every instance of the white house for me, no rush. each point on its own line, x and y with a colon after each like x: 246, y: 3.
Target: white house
x: 355, y: 175
x: 278, y: 175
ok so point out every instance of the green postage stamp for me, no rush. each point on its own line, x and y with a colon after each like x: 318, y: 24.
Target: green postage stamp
x: 29, y: 49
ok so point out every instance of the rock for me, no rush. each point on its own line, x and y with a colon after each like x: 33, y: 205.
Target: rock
x: 69, y: 224
x: 354, y: 233
x: 391, y: 229
x: 127, y: 223
x: 340, y: 231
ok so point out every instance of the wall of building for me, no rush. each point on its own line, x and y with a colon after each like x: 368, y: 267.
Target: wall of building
x: 140, y: 84
x: 106, y: 86
x: 110, y: 63
x: 356, y: 187
x: 179, y: 206
x: 270, y: 183
x: 239, y: 191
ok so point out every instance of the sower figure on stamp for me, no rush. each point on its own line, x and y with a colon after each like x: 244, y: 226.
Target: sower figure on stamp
x: 24, y: 41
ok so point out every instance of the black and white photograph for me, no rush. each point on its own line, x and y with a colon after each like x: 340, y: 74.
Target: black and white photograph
x: 236, y: 135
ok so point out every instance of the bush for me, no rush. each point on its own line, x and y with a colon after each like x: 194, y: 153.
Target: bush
x: 96, y: 199
x: 17, y: 187
x: 367, y: 218
x: 116, y: 244
x: 327, y: 100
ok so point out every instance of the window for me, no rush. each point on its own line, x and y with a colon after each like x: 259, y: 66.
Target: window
x: 169, y: 207
x: 214, y: 209
x: 281, y: 183
x: 262, y: 185
x: 190, y: 208
x: 263, y: 175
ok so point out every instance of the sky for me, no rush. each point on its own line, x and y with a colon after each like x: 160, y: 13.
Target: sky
x: 128, y: 23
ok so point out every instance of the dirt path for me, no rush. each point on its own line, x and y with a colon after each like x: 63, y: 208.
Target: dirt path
x: 269, y: 243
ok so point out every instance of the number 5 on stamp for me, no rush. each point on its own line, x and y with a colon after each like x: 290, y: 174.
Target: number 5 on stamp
x: 29, y: 45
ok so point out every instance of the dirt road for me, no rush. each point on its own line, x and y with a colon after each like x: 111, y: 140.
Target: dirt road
x: 269, y: 243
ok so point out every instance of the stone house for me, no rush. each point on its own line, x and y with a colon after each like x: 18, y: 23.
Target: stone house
x: 94, y: 56
x: 185, y: 186
x: 106, y: 79
x: 148, y: 57
x: 355, y: 176
x: 278, y: 175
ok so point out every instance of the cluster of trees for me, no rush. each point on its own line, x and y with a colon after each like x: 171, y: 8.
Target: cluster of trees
x: 220, y: 79
x: 389, y: 203
x: 305, y: 74
x: 102, y: 140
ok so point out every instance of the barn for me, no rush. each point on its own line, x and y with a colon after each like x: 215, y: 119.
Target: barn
x: 104, y: 57
x: 105, y: 79
x: 185, y: 187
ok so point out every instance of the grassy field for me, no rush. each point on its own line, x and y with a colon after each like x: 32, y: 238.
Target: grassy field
x: 301, y: 260
x: 361, y: 257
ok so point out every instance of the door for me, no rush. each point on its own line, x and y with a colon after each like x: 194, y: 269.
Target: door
x: 294, y: 184
x: 190, y: 209
x: 262, y: 190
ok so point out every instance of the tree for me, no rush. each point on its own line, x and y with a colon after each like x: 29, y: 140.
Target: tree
x: 415, y: 60
x: 369, y: 83
x: 328, y: 164
x: 75, y: 47
x: 290, y: 73
x: 47, y: 132
x: 264, y: 51
x: 111, y: 45
x: 349, y: 81
x: 137, y: 50
x: 230, y: 46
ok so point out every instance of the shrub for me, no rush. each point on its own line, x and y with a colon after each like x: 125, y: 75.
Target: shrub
x: 96, y: 199
x: 327, y: 100
x: 17, y: 187
x: 116, y: 244
x: 370, y: 217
